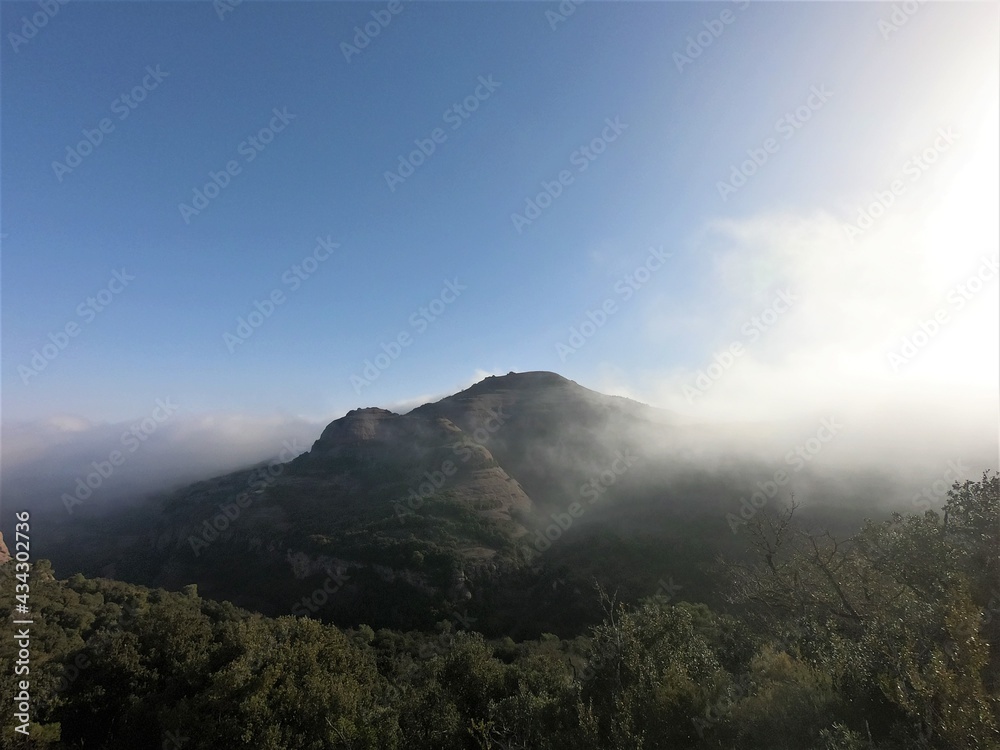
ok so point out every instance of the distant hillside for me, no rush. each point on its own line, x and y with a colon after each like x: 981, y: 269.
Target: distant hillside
x: 504, y: 502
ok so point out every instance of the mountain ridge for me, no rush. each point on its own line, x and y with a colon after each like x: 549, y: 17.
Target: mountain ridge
x: 505, y: 499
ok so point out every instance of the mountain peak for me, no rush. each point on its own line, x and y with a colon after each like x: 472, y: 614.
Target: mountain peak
x: 357, y: 426
x: 373, y: 411
x: 531, y: 379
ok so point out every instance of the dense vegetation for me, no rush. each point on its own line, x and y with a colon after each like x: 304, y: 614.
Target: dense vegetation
x: 886, y: 640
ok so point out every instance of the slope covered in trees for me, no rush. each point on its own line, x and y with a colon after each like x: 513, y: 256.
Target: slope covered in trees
x: 885, y: 640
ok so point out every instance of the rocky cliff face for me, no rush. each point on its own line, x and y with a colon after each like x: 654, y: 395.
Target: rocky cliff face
x: 4, y: 552
x: 434, y: 456
x: 357, y: 429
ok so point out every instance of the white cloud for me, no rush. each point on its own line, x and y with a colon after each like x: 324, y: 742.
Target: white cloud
x: 856, y: 302
x: 42, y: 459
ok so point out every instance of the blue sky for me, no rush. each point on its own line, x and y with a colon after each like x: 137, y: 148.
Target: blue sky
x: 553, y: 90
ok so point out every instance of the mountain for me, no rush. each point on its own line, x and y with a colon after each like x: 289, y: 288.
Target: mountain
x: 503, y: 504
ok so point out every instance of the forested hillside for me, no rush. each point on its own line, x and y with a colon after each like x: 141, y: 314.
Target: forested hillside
x: 884, y: 640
